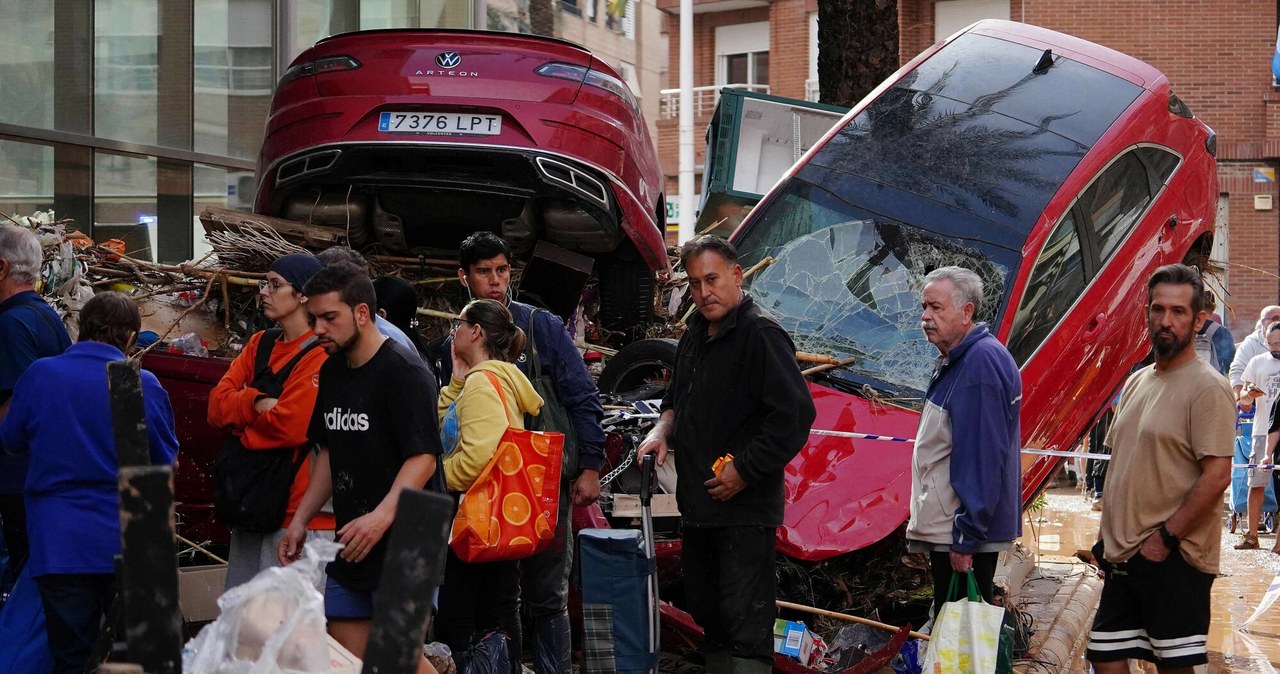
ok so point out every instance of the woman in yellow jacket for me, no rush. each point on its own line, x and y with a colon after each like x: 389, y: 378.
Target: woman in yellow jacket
x: 479, y: 598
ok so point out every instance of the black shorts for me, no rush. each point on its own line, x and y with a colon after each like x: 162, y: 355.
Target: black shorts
x: 1153, y: 611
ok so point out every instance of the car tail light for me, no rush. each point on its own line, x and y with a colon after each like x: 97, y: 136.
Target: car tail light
x: 325, y: 65
x: 594, y: 78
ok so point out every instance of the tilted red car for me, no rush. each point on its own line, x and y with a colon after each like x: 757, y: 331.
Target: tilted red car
x: 413, y: 139
x: 1062, y: 172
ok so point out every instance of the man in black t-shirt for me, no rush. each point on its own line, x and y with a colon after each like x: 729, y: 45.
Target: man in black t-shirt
x: 375, y: 424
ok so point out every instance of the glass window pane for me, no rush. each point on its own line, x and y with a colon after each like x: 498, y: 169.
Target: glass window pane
x: 124, y: 202
x: 1115, y: 202
x: 1056, y: 281
x: 26, y: 65
x: 1162, y: 162
x: 388, y: 14
x: 26, y: 178
x: 735, y: 69
x: 125, y: 59
x: 219, y: 187
x: 233, y: 75
x: 761, y: 74
x: 316, y: 19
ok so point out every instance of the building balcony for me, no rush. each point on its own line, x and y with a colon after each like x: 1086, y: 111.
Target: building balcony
x: 704, y: 98
x: 811, y: 91
x: 707, y: 6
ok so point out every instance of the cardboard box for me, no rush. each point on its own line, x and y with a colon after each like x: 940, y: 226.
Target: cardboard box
x: 793, y: 639
x: 341, y: 661
x: 198, y: 590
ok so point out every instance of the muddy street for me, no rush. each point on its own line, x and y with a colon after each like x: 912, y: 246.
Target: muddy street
x: 1068, y: 524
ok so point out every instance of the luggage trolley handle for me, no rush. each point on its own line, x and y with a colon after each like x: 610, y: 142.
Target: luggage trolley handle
x: 646, y: 480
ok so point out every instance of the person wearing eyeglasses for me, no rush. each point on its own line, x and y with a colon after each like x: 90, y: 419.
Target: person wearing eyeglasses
x: 263, y: 413
x: 477, y: 598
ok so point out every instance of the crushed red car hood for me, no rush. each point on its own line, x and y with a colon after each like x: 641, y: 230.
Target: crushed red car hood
x: 847, y: 494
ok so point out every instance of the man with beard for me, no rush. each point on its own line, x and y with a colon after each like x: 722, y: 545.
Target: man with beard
x: 1159, y: 539
x: 966, y: 478
x: 1260, y: 387
x: 377, y: 436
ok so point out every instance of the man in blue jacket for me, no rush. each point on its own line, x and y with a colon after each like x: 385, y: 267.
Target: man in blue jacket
x: 60, y: 417
x: 484, y: 262
x: 965, y: 472
x: 29, y: 329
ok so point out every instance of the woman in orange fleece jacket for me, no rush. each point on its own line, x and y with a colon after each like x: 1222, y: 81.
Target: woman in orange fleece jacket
x: 262, y: 422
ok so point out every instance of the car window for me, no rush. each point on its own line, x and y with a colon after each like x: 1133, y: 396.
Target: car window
x: 1162, y: 162
x: 846, y: 282
x: 1115, y: 202
x: 996, y: 75
x: 1057, y: 279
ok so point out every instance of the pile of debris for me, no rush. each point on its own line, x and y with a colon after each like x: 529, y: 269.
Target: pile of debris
x: 213, y: 301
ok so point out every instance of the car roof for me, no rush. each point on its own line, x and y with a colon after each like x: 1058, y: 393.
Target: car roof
x: 1103, y: 58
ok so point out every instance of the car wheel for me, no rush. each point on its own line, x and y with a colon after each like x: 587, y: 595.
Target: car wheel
x: 640, y: 370
x: 626, y: 290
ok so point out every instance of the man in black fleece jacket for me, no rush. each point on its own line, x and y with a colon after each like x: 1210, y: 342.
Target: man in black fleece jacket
x: 736, y: 390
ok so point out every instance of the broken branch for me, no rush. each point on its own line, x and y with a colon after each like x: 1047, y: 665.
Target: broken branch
x: 844, y: 616
x: 826, y: 366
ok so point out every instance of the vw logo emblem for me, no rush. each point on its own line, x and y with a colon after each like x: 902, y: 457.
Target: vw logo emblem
x: 448, y: 59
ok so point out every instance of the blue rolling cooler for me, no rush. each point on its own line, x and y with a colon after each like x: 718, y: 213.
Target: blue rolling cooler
x: 620, y: 593
x: 1240, y: 476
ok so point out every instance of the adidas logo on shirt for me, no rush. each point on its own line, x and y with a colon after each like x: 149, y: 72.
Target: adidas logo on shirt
x: 337, y: 420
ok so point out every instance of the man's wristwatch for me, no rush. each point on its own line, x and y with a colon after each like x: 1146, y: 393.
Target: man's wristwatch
x: 1171, y: 541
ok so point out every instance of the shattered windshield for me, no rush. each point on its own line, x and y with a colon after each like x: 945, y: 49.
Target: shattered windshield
x: 847, y: 284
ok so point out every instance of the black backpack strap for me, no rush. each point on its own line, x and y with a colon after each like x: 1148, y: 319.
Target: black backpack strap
x: 262, y: 357
x: 531, y: 348
x: 311, y: 343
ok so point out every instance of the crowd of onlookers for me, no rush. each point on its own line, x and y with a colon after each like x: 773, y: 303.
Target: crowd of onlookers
x: 340, y: 406
x: 342, y: 397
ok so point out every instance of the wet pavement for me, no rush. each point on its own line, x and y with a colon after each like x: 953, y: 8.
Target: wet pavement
x: 1067, y: 524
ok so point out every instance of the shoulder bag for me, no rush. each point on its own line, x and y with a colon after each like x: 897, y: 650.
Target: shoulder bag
x: 511, y: 510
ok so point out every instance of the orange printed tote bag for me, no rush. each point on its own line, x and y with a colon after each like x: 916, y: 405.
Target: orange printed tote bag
x: 510, y: 511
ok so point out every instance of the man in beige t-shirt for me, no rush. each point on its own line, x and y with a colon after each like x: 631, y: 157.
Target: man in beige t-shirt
x: 1172, y: 444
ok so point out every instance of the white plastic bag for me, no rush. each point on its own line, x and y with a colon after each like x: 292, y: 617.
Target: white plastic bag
x: 966, y: 634
x: 273, y: 624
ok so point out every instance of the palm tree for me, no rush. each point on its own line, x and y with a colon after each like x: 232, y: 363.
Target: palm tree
x: 542, y: 17
x: 857, y: 48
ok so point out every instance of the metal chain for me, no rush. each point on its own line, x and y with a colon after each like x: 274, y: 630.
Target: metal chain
x: 613, y: 474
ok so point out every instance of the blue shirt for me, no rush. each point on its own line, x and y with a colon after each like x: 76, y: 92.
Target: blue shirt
x: 60, y: 416
x: 391, y: 332
x: 29, y: 329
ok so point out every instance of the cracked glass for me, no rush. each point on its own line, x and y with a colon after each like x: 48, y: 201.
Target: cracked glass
x: 848, y: 285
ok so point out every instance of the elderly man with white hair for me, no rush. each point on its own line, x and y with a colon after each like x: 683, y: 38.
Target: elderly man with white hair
x: 966, y: 476
x: 1253, y: 345
x: 29, y: 330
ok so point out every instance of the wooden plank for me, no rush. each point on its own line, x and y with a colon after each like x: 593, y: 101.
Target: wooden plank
x: 413, y: 569
x: 628, y: 505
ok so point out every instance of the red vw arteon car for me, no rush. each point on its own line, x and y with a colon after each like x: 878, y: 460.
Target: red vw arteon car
x: 413, y: 139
